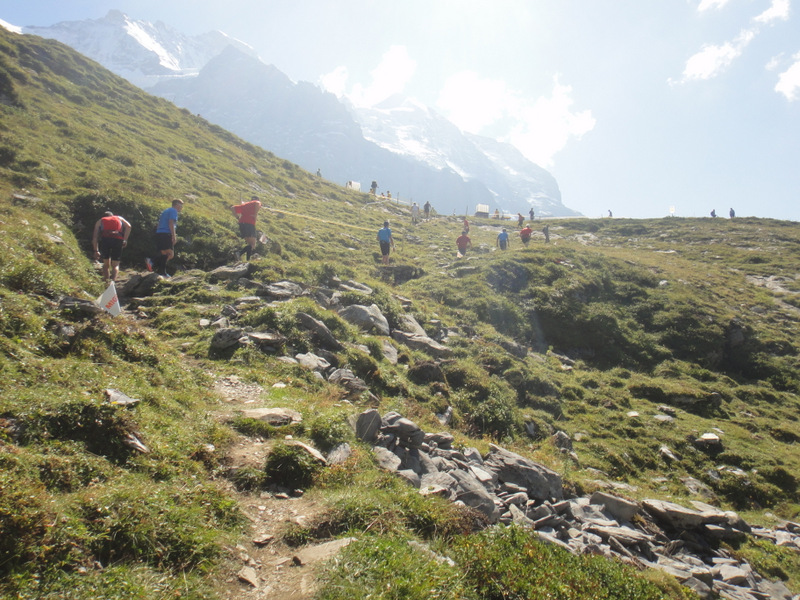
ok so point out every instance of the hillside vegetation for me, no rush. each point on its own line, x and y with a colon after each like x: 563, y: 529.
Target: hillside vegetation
x: 591, y: 334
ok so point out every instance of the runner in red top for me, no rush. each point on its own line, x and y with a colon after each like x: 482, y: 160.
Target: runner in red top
x: 247, y: 212
x: 525, y: 234
x: 110, y: 236
x: 462, y: 243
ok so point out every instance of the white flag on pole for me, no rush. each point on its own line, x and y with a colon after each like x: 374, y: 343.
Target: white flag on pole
x: 109, y: 301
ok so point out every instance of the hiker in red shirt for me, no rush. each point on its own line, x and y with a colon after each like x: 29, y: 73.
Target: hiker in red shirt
x: 110, y: 236
x: 525, y: 234
x: 462, y: 243
x: 247, y: 212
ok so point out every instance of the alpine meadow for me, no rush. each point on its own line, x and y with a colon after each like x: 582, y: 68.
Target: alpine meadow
x: 612, y: 413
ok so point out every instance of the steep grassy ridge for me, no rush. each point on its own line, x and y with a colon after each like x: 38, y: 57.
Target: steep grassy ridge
x: 623, y: 320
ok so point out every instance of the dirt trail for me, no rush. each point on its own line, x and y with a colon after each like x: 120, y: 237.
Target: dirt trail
x: 261, y: 566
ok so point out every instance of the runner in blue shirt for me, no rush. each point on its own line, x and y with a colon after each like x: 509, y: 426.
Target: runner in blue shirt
x: 386, y: 241
x: 165, y: 238
x: 502, y: 239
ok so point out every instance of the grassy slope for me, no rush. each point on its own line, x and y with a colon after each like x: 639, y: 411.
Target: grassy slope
x: 652, y: 313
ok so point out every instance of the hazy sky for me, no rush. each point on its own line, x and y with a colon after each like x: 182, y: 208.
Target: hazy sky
x: 636, y: 106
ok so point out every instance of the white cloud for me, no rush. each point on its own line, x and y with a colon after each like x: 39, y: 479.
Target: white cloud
x: 789, y: 81
x: 537, y: 128
x: 389, y: 77
x: 708, y: 4
x: 473, y: 103
x: 335, y: 81
x: 711, y: 60
x: 778, y: 11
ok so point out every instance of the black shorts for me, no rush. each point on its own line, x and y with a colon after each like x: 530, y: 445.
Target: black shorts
x: 247, y: 230
x: 110, y: 248
x: 385, y: 246
x: 164, y: 241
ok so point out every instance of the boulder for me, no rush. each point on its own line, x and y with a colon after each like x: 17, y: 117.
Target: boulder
x: 540, y: 482
x: 409, y: 324
x: 472, y: 493
x: 274, y: 416
x: 226, y: 337
x: 282, y: 290
x: 367, y: 425
x: 368, y: 318
x: 319, y: 332
x: 621, y: 509
x: 230, y: 272
x: 423, y: 343
x: 313, y: 362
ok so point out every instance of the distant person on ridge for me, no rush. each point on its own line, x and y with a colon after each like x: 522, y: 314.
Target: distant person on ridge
x: 109, y: 238
x: 502, y: 239
x: 520, y: 220
x: 466, y: 225
x: 530, y: 212
x: 373, y: 189
x: 546, y: 232
x: 427, y: 210
x: 386, y: 241
x: 166, y: 238
x: 414, y: 213
x: 463, y: 243
x: 732, y: 213
x: 525, y: 235
x: 247, y: 212
x: 497, y: 213
x: 610, y: 214
x: 714, y: 212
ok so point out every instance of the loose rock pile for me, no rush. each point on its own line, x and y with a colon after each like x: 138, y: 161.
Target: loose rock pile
x: 508, y: 488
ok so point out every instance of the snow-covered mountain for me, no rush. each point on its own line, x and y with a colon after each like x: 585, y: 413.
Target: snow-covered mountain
x: 407, y: 148
x: 143, y: 53
x: 408, y: 128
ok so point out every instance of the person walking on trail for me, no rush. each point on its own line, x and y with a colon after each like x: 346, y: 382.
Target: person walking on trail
x: 546, y: 232
x: 247, y: 212
x: 373, y: 189
x: 525, y: 235
x: 530, y: 212
x: 386, y: 241
x: 502, y: 239
x: 520, y: 220
x: 166, y: 238
x: 463, y: 243
x: 414, y: 213
x: 427, y: 210
x: 110, y: 236
x: 466, y: 225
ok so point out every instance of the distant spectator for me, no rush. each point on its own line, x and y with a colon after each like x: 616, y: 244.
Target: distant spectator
x: 610, y: 214
x: 109, y: 238
x: 373, y: 189
x: 530, y: 213
x: 497, y: 213
x: 732, y: 213
x: 714, y: 212
x: 546, y: 232
x: 520, y: 220
x: 427, y: 210
x: 414, y: 213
